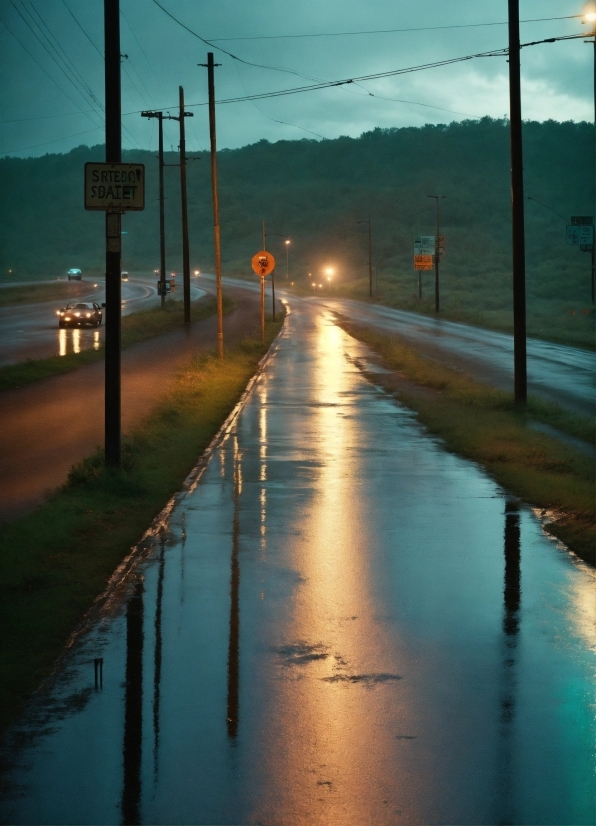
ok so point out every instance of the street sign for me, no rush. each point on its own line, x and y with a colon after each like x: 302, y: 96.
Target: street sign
x: 423, y: 262
x: 115, y: 187
x: 167, y: 287
x: 424, y: 245
x: 580, y: 234
x: 263, y: 263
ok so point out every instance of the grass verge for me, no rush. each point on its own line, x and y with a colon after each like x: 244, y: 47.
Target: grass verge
x: 482, y: 423
x: 135, y: 327
x: 55, y: 561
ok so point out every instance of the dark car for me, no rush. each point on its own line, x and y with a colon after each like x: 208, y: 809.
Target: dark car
x: 80, y: 315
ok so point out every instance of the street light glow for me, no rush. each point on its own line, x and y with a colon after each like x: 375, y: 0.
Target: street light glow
x: 197, y: 272
x: 288, y: 241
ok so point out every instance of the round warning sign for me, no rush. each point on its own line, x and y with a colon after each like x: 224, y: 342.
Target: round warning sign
x: 263, y: 263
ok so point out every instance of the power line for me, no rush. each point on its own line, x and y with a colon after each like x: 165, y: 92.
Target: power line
x: 385, y: 31
x: 54, y: 59
x: 233, y: 56
x: 34, y: 59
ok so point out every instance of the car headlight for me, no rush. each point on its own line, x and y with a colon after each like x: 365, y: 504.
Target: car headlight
x: 77, y: 314
x: 88, y: 315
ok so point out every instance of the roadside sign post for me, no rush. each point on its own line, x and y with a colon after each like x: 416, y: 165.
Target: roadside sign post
x: 119, y: 187
x: 263, y: 263
x: 424, y: 248
x: 581, y: 233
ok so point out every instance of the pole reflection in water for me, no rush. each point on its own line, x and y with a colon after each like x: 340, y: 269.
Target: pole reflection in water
x: 158, y: 654
x: 511, y: 622
x: 263, y: 466
x: 234, y: 643
x: 133, y: 708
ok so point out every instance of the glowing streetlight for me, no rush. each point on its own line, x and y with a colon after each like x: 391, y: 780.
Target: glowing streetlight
x: 197, y: 272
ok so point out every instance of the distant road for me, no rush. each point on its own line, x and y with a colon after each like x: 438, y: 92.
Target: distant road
x: 565, y: 375
x: 30, y: 331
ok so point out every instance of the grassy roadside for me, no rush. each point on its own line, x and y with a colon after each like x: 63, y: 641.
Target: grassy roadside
x: 135, y: 327
x: 56, y: 560
x: 483, y: 424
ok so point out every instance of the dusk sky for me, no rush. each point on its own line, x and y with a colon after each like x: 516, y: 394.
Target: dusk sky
x: 52, y: 67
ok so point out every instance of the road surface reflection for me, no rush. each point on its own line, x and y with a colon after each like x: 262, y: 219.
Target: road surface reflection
x: 329, y: 630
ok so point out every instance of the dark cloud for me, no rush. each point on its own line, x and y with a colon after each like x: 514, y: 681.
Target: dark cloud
x: 52, y: 70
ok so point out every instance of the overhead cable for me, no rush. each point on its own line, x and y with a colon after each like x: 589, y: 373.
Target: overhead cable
x: 386, y: 31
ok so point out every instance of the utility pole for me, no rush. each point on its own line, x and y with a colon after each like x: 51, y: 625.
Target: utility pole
x: 272, y: 272
x: 216, y: 236
x: 162, y: 245
x: 437, y: 251
x: 517, y: 210
x: 113, y: 237
x: 185, y: 251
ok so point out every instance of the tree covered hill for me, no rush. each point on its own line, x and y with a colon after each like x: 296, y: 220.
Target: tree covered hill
x: 315, y: 192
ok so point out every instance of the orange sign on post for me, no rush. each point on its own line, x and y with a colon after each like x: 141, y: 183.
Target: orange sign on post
x: 263, y: 263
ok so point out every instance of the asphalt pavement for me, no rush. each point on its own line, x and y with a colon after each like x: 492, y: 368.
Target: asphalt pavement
x: 565, y: 375
x: 50, y: 425
x: 340, y: 624
x: 30, y: 331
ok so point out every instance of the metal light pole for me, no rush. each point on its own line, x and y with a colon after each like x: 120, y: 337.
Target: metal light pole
x: 162, y: 247
x: 370, y: 287
x: 517, y: 210
x: 278, y: 235
x: 437, y: 251
x: 287, y: 259
x: 113, y: 237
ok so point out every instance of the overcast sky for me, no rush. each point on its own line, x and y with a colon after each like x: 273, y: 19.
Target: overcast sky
x: 51, y: 67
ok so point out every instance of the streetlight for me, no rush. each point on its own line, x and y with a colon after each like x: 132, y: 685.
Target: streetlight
x: 287, y: 259
x: 369, y: 254
x: 197, y: 272
x: 437, y: 256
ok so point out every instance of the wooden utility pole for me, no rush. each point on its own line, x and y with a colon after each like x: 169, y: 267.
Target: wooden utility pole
x: 370, y: 289
x: 162, y: 243
x: 113, y: 237
x: 216, y: 237
x: 185, y: 250
x: 517, y: 210
x: 437, y: 251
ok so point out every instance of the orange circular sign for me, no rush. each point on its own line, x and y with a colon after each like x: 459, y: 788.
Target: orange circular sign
x: 263, y: 263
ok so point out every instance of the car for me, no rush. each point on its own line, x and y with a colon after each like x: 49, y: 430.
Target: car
x: 74, y: 275
x: 124, y: 275
x: 80, y: 315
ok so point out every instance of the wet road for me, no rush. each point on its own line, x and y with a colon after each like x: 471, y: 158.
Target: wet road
x: 565, y: 375
x: 30, y: 331
x: 338, y: 623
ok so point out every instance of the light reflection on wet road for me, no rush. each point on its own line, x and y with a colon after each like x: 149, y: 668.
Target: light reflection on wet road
x: 343, y: 624
x: 31, y: 330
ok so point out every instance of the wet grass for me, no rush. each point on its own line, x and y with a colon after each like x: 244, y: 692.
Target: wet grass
x: 55, y: 561
x: 136, y: 327
x: 482, y: 423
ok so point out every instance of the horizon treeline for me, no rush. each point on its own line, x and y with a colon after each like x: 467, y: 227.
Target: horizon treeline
x: 315, y: 192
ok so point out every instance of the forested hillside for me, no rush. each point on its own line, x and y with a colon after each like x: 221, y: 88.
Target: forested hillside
x: 315, y: 192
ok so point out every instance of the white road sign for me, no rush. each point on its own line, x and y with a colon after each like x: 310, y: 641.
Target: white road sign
x: 424, y: 245
x: 118, y: 187
x: 580, y: 234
